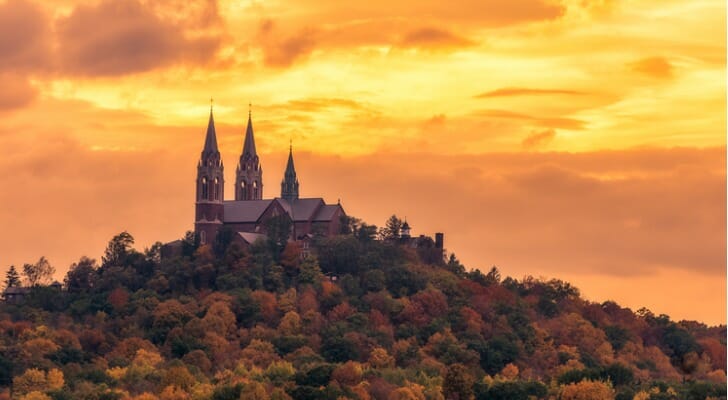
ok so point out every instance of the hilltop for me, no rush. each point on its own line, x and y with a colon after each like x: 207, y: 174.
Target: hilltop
x: 355, y: 316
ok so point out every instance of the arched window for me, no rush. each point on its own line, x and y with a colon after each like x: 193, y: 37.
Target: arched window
x: 217, y: 189
x: 244, y: 190
x: 203, y: 185
x: 255, y: 190
x: 203, y: 237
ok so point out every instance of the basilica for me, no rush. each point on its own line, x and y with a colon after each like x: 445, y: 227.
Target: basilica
x: 247, y: 214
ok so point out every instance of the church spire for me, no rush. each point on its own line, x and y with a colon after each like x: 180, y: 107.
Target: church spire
x: 249, y: 143
x: 289, y: 185
x: 249, y: 174
x: 210, y: 138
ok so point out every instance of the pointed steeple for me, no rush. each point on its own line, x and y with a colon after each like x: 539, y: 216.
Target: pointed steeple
x: 210, y: 138
x: 249, y: 143
x: 249, y: 174
x: 289, y: 186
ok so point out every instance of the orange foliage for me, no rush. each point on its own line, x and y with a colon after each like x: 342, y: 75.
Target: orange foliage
x: 349, y: 373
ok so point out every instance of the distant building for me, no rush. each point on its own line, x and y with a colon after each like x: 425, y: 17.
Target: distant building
x: 247, y: 214
x: 15, y: 294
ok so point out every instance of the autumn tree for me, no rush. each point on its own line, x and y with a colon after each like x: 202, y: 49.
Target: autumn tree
x: 458, y: 384
x: 39, y: 273
x: 12, y: 278
x: 587, y: 390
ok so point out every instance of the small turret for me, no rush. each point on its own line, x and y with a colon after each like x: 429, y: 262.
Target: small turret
x: 289, y: 185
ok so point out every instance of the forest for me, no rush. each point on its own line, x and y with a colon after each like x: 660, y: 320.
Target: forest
x: 361, y: 315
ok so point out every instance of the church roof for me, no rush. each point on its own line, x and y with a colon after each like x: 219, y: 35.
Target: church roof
x: 249, y: 143
x: 327, y: 212
x: 210, y: 137
x: 244, y: 211
x: 310, y: 209
x: 302, y: 209
x: 251, y: 237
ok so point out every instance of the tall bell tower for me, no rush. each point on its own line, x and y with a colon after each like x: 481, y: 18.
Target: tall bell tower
x: 210, y: 184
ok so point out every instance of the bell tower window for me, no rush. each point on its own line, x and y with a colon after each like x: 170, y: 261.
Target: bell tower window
x: 217, y: 189
x: 255, y: 190
x: 203, y: 185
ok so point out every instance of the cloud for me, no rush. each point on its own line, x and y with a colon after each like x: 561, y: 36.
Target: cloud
x: 549, y: 122
x: 656, y: 67
x: 118, y: 37
x: 16, y: 91
x: 539, y: 138
x: 25, y: 37
x: 515, y: 91
x: 433, y: 38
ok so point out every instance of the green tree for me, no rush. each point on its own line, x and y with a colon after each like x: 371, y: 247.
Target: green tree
x: 118, y: 249
x: 12, y: 278
x: 39, y: 273
x: 391, y: 229
x: 82, y: 275
x: 278, y: 230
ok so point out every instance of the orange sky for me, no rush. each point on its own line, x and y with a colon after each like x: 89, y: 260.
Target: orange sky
x: 576, y: 139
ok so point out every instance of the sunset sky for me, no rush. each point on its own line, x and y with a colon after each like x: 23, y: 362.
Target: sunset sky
x: 577, y: 139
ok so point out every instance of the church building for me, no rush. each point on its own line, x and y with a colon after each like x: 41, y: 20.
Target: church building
x: 247, y: 214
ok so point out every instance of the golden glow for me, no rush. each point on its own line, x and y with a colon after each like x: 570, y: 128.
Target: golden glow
x: 554, y: 90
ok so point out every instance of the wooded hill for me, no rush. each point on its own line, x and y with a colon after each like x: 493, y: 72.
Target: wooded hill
x: 365, y: 319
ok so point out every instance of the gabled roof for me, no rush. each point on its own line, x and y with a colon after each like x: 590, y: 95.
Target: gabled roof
x: 302, y: 209
x: 251, y: 237
x: 16, y: 290
x: 327, y: 212
x: 210, y: 138
x: 245, y: 211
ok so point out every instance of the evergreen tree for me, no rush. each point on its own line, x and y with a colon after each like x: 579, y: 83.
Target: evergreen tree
x: 12, y: 278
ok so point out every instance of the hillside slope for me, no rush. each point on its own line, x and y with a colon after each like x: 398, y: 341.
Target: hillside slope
x: 365, y: 319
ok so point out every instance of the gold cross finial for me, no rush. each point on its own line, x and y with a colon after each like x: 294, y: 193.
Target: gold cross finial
x: 250, y: 108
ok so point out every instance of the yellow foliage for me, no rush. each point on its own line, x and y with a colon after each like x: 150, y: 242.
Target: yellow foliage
x: 173, y: 393
x: 202, y: 391
x: 290, y: 324
x: 379, y: 358
x: 641, y: 395
x: 254, y: 391
x: 30, y: 381
x: 35, y: 396
x: 402, y: 393
x: 54, y: 379
x: 147, y: 358
x: 587, y: 390
x: 116, y: 372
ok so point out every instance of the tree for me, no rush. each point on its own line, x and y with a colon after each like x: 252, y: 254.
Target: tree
x: 12, y: 278
x: 82, y: 275
x: 118, y: 249
x: 278, y: 230
x: 458, y: 384
x: 587, y: 390
x: 39, y: 273
x: 391, y: 229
